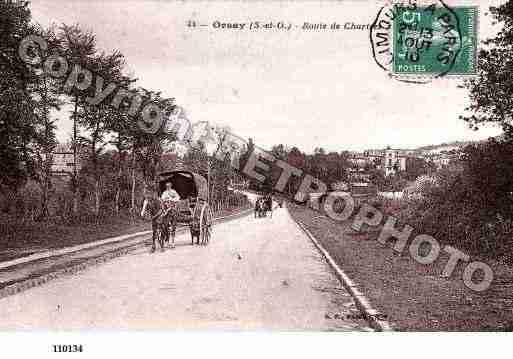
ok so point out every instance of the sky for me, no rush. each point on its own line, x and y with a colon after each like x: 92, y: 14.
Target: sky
x: 303, y: 88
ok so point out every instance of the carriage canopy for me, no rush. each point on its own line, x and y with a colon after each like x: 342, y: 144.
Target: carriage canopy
x: 186, y: 183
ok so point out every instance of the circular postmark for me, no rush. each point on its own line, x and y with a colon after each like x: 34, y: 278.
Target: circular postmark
x: 416, y: 40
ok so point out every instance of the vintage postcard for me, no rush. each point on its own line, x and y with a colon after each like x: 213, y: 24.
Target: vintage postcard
x: 245, y: 166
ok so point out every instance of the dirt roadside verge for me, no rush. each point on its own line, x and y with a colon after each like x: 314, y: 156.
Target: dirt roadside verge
x: 40, y: 237
x: 52, y: 236
x: 413, y: 297
x: 27, y: 275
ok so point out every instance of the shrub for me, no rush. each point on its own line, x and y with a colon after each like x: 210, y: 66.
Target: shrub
x: 471, y: 205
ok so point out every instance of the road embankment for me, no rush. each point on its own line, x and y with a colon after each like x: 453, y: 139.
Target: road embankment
x: 414, y: 297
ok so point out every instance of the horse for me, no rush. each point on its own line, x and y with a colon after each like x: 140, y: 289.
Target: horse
x: 259, y: 207
x: 195, y: 231
x: 162, y: 218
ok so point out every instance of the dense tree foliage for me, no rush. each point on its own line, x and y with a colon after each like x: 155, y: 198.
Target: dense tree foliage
x: 490, y: 92
x: 17, y: 108
x: 471, y: 204
x: 328, y: 167
x: 114, y: 157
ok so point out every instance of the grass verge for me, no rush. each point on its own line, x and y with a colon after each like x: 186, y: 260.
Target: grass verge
x: 414, y: 297
x: 25, y: 239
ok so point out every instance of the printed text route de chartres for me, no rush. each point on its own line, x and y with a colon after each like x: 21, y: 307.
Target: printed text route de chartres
x: 334, y: 26
x: 306, y: 26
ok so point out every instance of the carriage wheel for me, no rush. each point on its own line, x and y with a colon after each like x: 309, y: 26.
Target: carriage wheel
x: 205, y: 224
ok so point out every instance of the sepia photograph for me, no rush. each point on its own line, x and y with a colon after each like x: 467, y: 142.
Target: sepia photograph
x: 199, y: 171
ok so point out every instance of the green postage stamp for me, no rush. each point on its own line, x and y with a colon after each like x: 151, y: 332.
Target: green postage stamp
x: 435, y: 40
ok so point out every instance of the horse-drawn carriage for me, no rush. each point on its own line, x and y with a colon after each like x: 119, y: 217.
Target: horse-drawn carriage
x: 192, y: 210
x: 263, y: 205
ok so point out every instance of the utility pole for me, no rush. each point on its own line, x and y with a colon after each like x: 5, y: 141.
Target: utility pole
x: 75, y: 174
x: 208, y: 179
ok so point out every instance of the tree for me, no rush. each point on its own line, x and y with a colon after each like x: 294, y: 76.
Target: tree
x: 120, y: 128
x: 149, y: 147
x: 246, y: 153
x: 297, y: 159
x: 98, y: 120
x: 47, y: 97
x: 377, y: 177
x: 250, y: 147
x: 471, y: 203
x: 17, y: 119
x: 416, y: 167
x: 221, y: 170
x: 79, y: 48
x: 490, y: 92
x: 279, y: 152
x: 196, y: 158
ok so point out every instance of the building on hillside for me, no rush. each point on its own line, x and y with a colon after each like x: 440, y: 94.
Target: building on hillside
x: 389, y: 160
x: 63, y: 160
x: 365, y: 159
x: 373, y: 155
x: 442, y: 159
x: 393, y: 161
x: 357, y: 159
